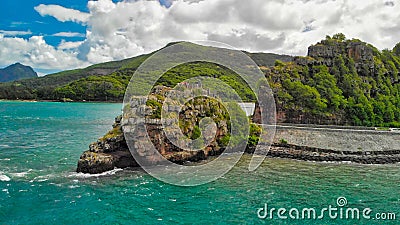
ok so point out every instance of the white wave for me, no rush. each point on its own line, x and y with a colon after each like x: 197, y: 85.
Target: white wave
x: 4, y: 146
x: 22, y: 174
x: 6, y: 159
x: 86, y: 175
x: 4, y: 177
x: 42, y: 178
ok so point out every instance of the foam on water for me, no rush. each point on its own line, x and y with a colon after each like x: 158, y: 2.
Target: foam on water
x: 21, y: 174
x: 4, y: 177
x: 85, y: 175
x: 73, y: 186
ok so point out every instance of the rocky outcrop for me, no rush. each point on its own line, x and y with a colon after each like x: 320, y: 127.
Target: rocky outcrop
x: 107, y: 153
x: 180, y: 131
x: 325, y: 52
x: 112, y: 150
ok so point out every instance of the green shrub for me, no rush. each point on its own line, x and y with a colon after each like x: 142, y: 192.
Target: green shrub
x: 283, y: 141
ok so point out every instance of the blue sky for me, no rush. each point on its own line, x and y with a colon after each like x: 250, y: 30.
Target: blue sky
x: 18, y: 18
x: 55, y: 35
x: 20, y: 15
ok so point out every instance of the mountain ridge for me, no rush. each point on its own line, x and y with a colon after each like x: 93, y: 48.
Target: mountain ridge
x: 116, y: 72
x: 16, y: 71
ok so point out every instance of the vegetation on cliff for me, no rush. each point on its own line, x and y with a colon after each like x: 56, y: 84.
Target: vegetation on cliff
x: 198, y: 108
x: 341, y: 81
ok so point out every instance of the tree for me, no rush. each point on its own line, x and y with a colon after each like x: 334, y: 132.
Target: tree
x: 305, y: 97
x: 339, y: 37
x: 325, y: 83
x: 396, y: 50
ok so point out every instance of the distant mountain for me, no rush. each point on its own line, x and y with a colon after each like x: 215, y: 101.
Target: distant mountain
x: 15, y: 72
x: 268, y: 59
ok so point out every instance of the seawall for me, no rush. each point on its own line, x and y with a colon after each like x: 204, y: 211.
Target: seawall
x: 349, y: 139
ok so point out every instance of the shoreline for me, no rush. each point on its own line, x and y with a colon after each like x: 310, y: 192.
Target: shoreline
x: 309, y: 154
x: 123, y: 159
x: 33, y: 100
x: 304, y: 153
x: 293, y: 153
x: 307, y: 144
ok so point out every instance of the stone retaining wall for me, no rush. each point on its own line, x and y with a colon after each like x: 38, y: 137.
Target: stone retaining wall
x: 353, y: 140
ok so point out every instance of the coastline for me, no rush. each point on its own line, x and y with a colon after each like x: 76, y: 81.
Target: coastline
x: 124, y: 161
x: 292, y: 141
x: 109, y: 153
x: 305, y: 153
x: 35, y: 100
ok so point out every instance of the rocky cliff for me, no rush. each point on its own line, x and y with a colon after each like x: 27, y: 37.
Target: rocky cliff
x: 112, y: 150
x: 327, y: 51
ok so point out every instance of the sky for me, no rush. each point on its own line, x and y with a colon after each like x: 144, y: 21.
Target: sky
x: 56, y: 35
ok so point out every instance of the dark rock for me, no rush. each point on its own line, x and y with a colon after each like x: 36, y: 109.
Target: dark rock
x: 107, y: 154
x: 324, y: 54
x: 92, y: 162
x: 315, y: 154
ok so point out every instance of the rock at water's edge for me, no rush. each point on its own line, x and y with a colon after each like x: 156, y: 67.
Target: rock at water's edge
x: 107, y: 153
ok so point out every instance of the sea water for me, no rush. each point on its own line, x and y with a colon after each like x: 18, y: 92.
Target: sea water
x: 40, y: 144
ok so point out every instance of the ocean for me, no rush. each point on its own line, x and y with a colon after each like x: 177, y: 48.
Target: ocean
x: 40, y: 144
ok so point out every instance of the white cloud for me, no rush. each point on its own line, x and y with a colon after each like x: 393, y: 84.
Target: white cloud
x: 17, y: 23
x: 37, y: 53
x: 125, y: 29
x: 68, y: 34
x: 62, y: 14
x: 69, y: 45
x: 15, y: 33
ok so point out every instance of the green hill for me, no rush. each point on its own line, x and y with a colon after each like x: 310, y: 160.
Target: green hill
x: 100, y: 82
x: 42, y: 88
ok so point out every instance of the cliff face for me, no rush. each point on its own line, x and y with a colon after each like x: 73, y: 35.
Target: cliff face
x: 325, y: 53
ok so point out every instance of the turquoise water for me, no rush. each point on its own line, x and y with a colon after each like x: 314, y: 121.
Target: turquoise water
x: 40, y: 144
